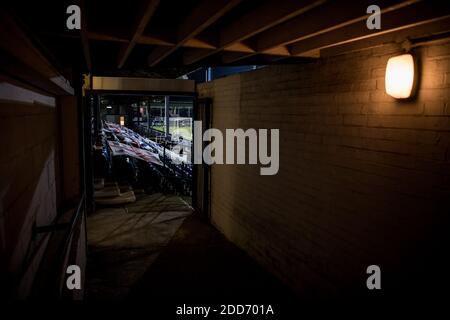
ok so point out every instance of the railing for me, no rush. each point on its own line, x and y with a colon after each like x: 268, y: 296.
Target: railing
x: 63, y: 226
x: 50, y: 278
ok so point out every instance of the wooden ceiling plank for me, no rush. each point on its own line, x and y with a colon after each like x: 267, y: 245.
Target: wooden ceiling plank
x: 408, y: 17
x: 278, y: 51
x: 105, y: 37
x: 239, y: 47
x: 231, y: 57
x: 330, y: 16
x: 206, y: 13
x: 273, y: 54
x: 265, y: 16
x: 22, y: 60
x: 198, y: 43
x: 140, y: 23
x: 416, y: 32
x: 152, y: 40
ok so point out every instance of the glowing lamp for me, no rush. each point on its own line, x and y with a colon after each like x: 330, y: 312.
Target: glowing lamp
x: 400, y: 74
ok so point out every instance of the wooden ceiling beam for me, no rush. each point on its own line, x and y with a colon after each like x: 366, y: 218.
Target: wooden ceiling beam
x: 239, y: 47
x: 273, y: 54
x: 24, y: 62
x: 408, y: 17
x: 151, y: 40
x: 265, y: 16
x: 231, y: 57
x: 138, y: 28
x: 429, y: 29
x: 330, y: 16
x: 196, y: 43
x: 206, y: 13
x: 105, y: 37
x: 255, y: 58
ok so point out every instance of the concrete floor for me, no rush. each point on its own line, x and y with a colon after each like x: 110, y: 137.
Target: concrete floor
x: 155, y: 248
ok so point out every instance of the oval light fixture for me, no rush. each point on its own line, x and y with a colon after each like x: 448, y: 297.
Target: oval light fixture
x: 400, y: 76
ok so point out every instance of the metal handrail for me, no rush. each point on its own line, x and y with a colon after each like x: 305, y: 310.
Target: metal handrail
x: 52, y: 269
x: 74, y: 220
x: 59, y: 226
x: 68, y: 241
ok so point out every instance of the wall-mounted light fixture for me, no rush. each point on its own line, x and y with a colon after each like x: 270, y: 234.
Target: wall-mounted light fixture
x: 400, y: 76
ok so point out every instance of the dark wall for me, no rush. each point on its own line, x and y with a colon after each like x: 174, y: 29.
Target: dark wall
x: 27, y: 185
x: 69, y: 148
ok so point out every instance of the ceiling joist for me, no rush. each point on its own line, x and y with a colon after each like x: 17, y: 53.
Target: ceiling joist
x: 428, y: 29
x: 266, y: 15
x: 201, y: 17
x: 221, y: 32
x: 138, y: 28
x: 331, y: 17
x: 410, y: 16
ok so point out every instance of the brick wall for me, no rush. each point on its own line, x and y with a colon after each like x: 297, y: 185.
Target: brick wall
x: 27, y: 185
x: 364, y: 179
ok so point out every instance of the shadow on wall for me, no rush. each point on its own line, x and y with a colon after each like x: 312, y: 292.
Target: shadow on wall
x: 27, y: 190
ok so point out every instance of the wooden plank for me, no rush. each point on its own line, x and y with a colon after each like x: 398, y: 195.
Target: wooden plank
x: 144, y: 39
x: 331, y: 16
x: 274, y: 54
x: 151, y: 40
x: 278, y: 51
x: 100, y: 36
x: 407, y: 17
x: 231, y: 57
x: 238, y: 51
x: 138, y: 28
x: 22, y: 73
x: 22, y: 60
x: 198, y: 43
x: 105, y: 37
x: 239, y: 47
x: 206, y: 13
x: 263, y: 17
x: 424, y: 30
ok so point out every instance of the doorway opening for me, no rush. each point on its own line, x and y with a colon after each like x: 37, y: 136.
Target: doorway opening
x: 142, y: 145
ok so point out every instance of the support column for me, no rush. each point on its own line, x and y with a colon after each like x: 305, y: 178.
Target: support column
x: 96, y: 115
x: 166, y: 113
x: 148, y: 117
